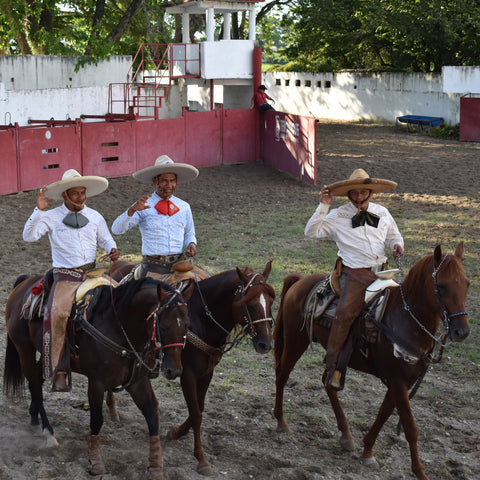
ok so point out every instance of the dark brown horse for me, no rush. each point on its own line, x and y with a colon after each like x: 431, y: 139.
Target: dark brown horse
x: 434, y: 289
x: 113, y: 345
x: 218, y: 304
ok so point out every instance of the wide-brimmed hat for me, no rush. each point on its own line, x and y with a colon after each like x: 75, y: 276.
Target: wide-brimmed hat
x: 164, y: 164
x: 70, y: 179
x: 360, y: 179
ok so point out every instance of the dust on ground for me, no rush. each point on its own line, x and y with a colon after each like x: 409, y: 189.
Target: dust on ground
x: 239, y: 432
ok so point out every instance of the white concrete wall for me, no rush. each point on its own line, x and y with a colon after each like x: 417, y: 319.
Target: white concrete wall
x: 353, y: 96
x: 461, y: 79
x: 35, y: 72
x: 58, y: 103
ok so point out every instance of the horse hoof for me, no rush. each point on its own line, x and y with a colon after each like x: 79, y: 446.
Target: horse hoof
x: 206, y: 471
x: 97, y: 469
x: 51, y: 440
x: 347, y: 445
x: 171, y: 434
x: 369, y: 462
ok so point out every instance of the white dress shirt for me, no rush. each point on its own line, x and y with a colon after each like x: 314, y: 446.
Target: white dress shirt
x: 161, y: 234
x: 71, y: 247
x: 361, y: 247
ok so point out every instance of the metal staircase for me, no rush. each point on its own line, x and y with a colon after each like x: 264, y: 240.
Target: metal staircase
x: 153, y: 71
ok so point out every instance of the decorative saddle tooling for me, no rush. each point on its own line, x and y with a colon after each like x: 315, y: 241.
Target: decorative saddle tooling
x: 321, y: 304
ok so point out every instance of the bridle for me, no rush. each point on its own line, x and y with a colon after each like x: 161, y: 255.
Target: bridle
x: 446, y: 318
x: 131, y: 352
x: 156, y: 337
x: 249, y: 324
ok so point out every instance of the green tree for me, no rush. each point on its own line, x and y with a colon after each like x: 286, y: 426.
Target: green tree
x: 82, y: 27
x: 408, y: 35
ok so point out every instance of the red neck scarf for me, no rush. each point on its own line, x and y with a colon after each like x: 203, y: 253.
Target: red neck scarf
x: 166, y: 207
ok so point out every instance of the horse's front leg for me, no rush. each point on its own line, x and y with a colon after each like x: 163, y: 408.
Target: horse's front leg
x: 203, y: 466
x: 145, y: 399
x: 291, y: 351
x: 95, y: 399
x: 410, y: 429
x: 346, y: 439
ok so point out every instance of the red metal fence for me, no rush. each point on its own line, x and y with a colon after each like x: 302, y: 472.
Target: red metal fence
x: 38, y: 155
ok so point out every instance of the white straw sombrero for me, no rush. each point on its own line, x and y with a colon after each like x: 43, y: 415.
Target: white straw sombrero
x: 71, y: 178
x: 360, y: 179
x: 164, y: 164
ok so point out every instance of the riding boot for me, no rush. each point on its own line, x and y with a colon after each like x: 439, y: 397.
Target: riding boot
x: 59, y: 382
x: 353, y: 285
x: 155, y: 459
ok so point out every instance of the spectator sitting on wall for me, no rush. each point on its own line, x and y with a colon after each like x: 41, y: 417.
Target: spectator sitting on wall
x: 260, y: 98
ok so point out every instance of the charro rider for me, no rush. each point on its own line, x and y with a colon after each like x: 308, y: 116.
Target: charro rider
x: 361, y: 229
x: 165, y: 221
x: 74, y: 231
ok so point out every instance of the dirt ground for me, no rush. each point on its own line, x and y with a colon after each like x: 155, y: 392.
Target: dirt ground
x: 238, y: 427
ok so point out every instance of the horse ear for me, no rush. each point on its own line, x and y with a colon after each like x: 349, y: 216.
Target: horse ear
x: 187, y: 293
x: 268, y: 269
x: 459, y: 250
x: 437, y: 254
x: 162, y: 294
x: 241, y: 275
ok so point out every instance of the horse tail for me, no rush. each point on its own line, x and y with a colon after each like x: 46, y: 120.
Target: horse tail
x: 13, y: 378
x: 278, y: 328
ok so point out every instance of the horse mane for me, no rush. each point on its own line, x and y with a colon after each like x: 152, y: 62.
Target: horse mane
x: 121, y: 296
x: 426, y: 266
x: 416, y: 274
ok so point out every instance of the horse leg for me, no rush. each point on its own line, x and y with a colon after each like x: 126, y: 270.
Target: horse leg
x: 112, y: 407
x: 194, y: 392
x: 33, y: 373
x: 410, y: 429
x: 145, y: 399
x: 203, y: 466
x: 346, y: 440
x: 386, y: 409
x: 95, y: 399
x: 291, y: 353
x: 188, y: 380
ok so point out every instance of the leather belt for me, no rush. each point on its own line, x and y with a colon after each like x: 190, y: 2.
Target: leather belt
x: 163, y: 260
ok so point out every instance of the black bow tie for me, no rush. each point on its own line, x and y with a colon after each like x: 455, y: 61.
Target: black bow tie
x: 75, y: 220
x: 363, y: 217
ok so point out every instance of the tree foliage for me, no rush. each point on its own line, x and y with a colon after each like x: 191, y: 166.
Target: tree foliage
x: 307, y: 35
x: 405, y: 35
x: 82, y: 27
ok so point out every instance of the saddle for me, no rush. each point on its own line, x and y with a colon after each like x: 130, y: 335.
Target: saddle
x: 321, y: 303
x: 37, y: 297
x: 183, y: 271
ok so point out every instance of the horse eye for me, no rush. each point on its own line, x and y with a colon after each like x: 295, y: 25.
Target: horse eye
x: 442, y: 289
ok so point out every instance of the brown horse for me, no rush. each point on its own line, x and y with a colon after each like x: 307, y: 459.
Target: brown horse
x: 434, y: 289
x: 113, y: 345
x: 218, y: 304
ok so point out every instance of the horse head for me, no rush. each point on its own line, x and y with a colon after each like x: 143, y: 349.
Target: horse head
x: 171, y: 325
x: 254, y: 306
x: 451, y: 285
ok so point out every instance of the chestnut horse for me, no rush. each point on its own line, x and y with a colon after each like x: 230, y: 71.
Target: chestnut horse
x: 218, y: 304
x: 114, y: 340
x: 435, y: 288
